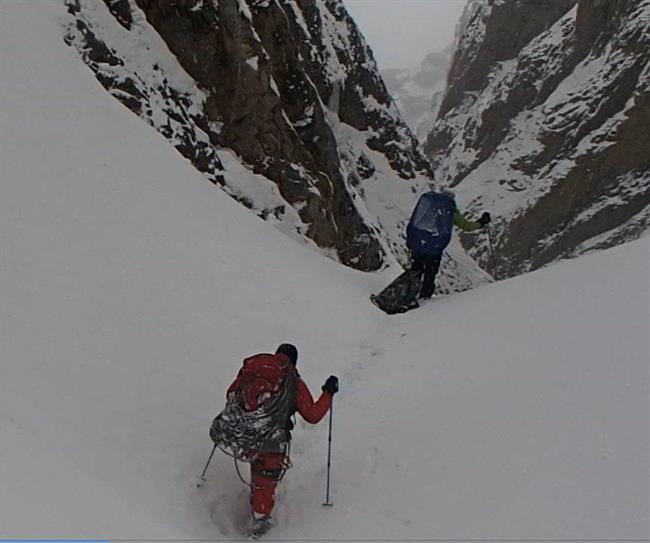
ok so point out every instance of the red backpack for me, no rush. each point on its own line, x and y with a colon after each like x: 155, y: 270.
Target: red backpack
x: 260, y: 402
x: 261, y: 379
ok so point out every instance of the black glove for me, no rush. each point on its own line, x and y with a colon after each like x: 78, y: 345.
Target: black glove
x: 331, y: 385
x: 485, y: 219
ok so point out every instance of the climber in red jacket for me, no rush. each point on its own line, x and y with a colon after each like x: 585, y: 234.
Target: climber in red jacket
x: 270, y: 464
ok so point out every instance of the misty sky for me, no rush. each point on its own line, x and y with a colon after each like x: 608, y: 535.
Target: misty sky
x: 402, y: 32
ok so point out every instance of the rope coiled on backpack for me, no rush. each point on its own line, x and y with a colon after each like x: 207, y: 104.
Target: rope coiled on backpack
x: 245, y: 434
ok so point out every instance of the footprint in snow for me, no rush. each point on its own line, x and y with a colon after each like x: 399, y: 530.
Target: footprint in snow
x: 231, y: 514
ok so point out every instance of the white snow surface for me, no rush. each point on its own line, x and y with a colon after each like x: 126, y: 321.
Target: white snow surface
x: 144, y: 58
x: 131, y: 290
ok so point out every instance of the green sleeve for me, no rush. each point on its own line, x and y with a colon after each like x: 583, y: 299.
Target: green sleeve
x: 464, y: 224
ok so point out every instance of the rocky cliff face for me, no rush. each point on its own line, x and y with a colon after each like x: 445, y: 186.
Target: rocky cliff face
x: 280, y: 103
x: 544, y: 122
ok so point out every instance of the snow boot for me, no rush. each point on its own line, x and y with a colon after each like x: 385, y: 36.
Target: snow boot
x: 260, y: 525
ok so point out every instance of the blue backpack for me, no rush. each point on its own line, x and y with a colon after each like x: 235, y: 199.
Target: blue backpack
x: 432, y: 222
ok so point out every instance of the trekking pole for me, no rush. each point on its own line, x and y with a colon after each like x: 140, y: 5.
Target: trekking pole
x: 328, y: 503
x: 491, y: 246
x: 202, y: 479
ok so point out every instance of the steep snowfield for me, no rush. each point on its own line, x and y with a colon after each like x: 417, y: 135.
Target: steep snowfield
x: 325, y: 137
x: 131, y: 289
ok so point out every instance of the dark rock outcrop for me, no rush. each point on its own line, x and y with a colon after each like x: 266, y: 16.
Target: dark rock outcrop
x: 496, y: 32
x: 545, y: 123
x: 271, y: 80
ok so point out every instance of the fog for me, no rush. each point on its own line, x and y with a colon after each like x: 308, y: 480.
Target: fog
x: 402, y: 32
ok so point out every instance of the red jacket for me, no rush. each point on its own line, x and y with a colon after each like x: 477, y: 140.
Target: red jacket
x: 310, y: 410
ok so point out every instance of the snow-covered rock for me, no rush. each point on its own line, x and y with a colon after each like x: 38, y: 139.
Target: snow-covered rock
x: 279, y: 103
x: 544, y: 123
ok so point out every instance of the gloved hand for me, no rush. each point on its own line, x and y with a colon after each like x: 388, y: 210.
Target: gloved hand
x: 485, y: 219
x: 331, y: 385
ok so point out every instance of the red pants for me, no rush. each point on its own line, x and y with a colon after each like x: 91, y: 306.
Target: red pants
x: 265, y: 472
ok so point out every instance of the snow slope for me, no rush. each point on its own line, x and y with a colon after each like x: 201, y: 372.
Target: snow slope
x: 131, y: 289
x: 226, y: 81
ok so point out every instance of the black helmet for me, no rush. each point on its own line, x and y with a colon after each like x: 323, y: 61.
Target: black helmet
x: 290, y: 351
